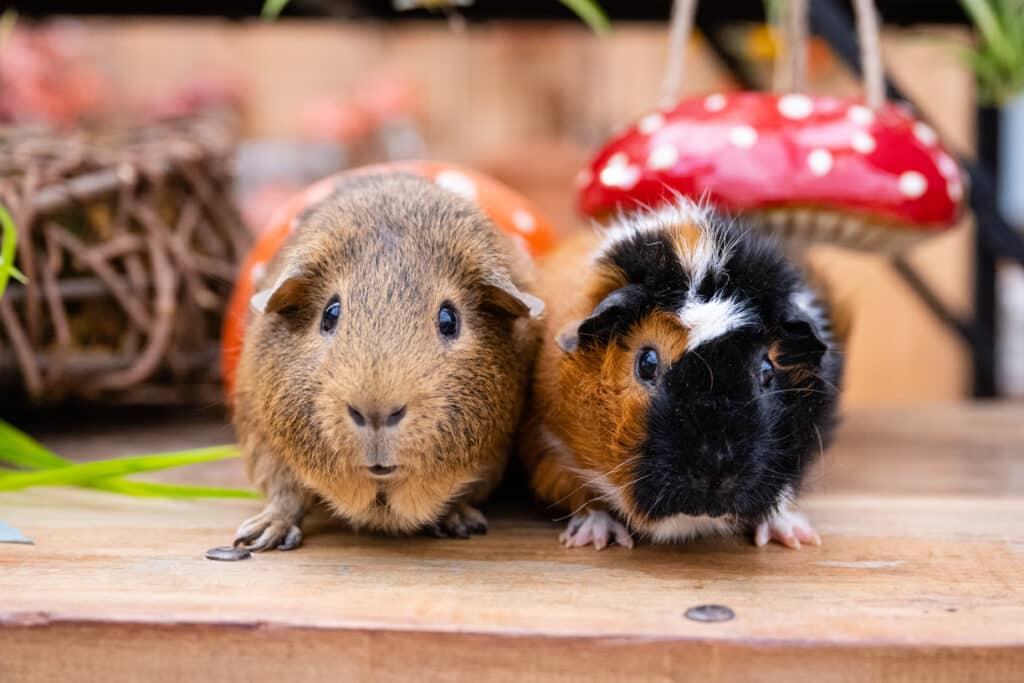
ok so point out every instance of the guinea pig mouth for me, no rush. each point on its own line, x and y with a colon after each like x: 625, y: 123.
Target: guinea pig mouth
x: 383, y: 471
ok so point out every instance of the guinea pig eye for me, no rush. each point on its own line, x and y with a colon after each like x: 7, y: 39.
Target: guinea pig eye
x: 329, y: 320
x: 766, y: 372
x: 647, y: 365
x: 448, y: 321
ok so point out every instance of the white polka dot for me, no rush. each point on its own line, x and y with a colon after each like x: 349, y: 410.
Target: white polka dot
x: 651, y: 123
x: 663, y: 157
x: 453, y: 181
x: 795, y: 106
x: 955, y: 189
x: 948, y: 166
x: 819, y: 161
x: 584, y: 177
x: 258, y: 270
x: 524, y: 221
x: 743, y: 136
x: 912, y: 184
x: 715, y: 102
x: 618, y: 173
x: 860, y: 115
x: 863, y: 142
x: 925, y: 134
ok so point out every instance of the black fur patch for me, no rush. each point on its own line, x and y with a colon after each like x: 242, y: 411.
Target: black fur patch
x: 718, y: 442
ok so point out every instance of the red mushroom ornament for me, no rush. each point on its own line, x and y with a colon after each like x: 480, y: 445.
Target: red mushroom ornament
x: 860, y: 173
x: 510, y: 211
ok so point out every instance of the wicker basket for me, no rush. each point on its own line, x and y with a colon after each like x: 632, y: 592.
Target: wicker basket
x: 130, y: 242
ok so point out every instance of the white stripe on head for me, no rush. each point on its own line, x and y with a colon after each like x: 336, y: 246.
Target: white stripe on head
x: 707, y: 320
x: 683, y: 211
x: 704, y: 257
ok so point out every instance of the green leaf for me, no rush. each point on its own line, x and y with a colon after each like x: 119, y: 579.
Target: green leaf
x: 272, y: 9
x: 998, y: 58
x: 591, y: 13
x: 984, y: 17
x: 9, y: 242
x: 86, y: 473
x: 146, y: 489
x: 7, y: 21
x: 18, y: 448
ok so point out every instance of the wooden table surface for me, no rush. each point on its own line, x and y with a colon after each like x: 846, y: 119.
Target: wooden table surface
x: 920, y: 577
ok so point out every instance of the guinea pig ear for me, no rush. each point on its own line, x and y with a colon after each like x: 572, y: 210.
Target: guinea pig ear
x: 800, y: 342
x: 610, y: 317
x: 502, y: 294
x: 288, y: 292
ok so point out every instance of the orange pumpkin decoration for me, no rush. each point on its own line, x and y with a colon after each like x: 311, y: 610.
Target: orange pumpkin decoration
x: 512, y: 212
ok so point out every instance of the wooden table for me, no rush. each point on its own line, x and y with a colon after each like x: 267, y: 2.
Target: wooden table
x: 921, y: 577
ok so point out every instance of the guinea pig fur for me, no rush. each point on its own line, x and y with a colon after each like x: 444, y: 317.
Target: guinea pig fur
x: 385, y: 363
x: 687, y: 377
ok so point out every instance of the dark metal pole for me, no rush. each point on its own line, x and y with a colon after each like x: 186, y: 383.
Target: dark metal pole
x: 985, y: 265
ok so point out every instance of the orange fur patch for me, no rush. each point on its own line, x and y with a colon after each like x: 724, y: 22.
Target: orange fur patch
x: 605, y: 408
x: 685, y: 238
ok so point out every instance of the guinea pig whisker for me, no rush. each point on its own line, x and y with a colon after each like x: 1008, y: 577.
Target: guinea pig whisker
x: 710, y: 371
x: 801, y: 390
x: 607, y: 495
x: 821, y: 447
x: 590, y: 478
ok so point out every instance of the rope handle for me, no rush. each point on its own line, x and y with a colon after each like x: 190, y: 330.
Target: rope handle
x: 793, y: 60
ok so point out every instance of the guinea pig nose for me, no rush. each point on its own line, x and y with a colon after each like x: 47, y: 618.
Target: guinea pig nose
x: 376, y: 418
x: 381, y: 470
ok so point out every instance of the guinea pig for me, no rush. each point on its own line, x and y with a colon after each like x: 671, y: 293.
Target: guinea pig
x: 385, y: 363
x: 687, y: 378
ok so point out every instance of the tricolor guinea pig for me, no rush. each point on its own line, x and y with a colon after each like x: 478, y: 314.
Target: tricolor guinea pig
x: 385, y: 363
x: 687, y: 378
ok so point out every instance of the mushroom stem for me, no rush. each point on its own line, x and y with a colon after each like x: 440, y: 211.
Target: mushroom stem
x: 870, y: 53
x: 679, y: 35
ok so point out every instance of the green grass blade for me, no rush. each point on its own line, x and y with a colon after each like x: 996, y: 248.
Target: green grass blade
x: 18, y: 448
x: 591, y: 13
x: 9, y: 242
x: 87, y: 473
x: 146, y: 489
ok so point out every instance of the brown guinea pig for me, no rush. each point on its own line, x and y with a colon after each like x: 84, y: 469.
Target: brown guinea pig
x: 385, y: 363
x: 686, y: 379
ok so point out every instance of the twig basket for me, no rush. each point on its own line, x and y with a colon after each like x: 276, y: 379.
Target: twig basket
x: 130, y: 241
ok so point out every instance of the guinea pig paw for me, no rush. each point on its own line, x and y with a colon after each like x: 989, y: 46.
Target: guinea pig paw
x: 266, y: 531
x: 461, y: 521
x: 597, y: 528
x: 789, y: 527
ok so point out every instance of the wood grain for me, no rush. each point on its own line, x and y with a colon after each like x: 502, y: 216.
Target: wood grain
x: 916, y: 580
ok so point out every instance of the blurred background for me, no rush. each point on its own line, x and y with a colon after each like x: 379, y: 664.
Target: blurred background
x: 174, y: 131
